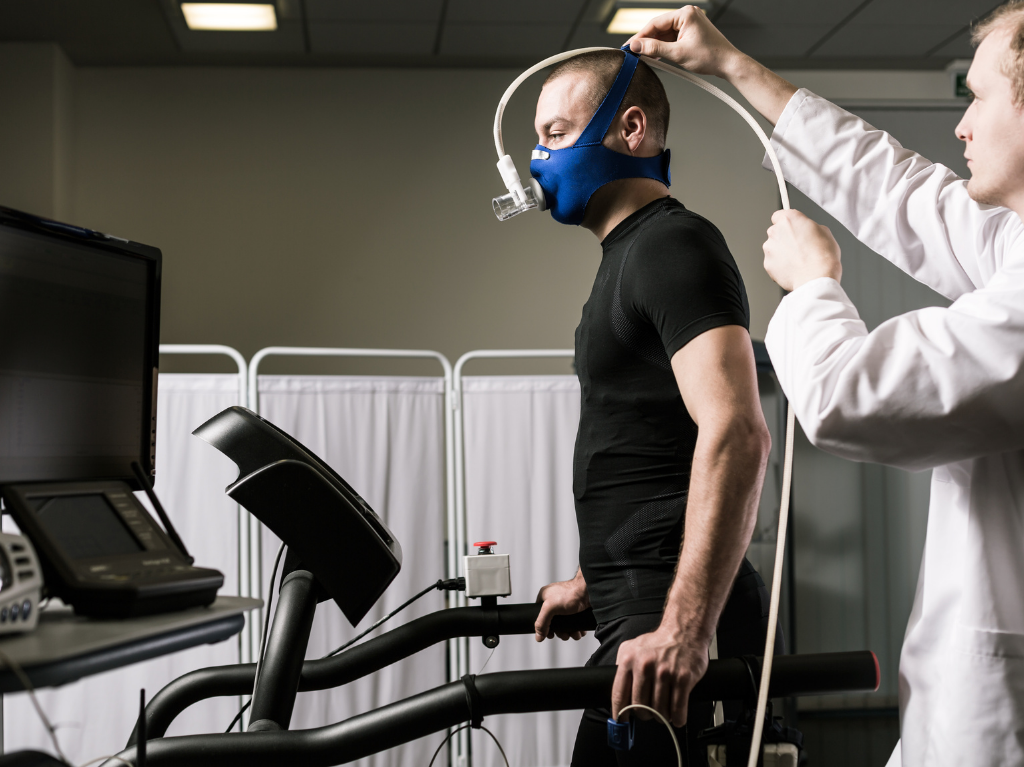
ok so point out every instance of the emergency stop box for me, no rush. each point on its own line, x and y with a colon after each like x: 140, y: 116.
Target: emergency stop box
x: 487, y: 575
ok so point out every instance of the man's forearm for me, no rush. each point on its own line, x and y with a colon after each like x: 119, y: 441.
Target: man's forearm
x: 766, y: 91
x: 721, y: 511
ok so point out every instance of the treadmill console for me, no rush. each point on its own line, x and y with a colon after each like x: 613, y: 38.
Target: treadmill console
x: 102, y: 552
x: 328, y: 527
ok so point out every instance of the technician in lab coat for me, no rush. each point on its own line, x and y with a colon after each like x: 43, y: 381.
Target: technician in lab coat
x: 935, y: 388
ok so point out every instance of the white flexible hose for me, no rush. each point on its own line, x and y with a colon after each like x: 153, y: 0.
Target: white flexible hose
x: 787, y: 465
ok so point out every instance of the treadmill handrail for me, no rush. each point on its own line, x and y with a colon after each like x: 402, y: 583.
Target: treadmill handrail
x: 499, y: 693
x: 356, y: 662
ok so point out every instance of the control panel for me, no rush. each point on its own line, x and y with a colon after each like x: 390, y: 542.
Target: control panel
x: 103, y: 553
x: 21, y: 584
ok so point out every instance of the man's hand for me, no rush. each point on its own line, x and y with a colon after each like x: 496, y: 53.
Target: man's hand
x: 659, y: 670
x: 798, y: 250
x: 561, y: 598
x: 688, y: 38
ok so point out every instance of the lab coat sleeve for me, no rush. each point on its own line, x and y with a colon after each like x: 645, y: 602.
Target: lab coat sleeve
x: 924, y: 389
x: 915, y: 213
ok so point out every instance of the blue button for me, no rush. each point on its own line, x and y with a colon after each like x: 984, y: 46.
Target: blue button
x: 3, y: 615
x: 26, y: 610
x: 15, y: 609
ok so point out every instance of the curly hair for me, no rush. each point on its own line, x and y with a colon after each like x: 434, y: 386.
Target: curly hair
x: 1008, y: 15
x: 645, y: 90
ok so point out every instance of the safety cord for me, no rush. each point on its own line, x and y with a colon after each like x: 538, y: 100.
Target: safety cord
x: 664, y: 721
x: 460, y: 729
x: 787, y: 469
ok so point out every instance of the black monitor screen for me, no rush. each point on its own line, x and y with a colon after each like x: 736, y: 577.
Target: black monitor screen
x: 77, y: 358
x: 85, y: 526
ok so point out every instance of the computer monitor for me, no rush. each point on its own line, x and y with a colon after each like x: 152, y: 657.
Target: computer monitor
x: 79, y: 346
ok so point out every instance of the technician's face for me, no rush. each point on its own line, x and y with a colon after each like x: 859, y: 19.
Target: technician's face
x: 562, y: 111
x: 993, y: 128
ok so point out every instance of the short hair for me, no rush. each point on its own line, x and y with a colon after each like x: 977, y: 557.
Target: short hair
x: 1008, y: 15
x: 645, y: 90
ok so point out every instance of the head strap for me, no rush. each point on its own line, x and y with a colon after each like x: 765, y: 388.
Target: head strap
x: 602, y: 120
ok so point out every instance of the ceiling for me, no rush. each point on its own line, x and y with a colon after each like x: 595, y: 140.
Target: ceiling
x: 793, y: 34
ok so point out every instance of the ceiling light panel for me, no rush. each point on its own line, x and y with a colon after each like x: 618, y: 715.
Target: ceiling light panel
x: 630, y: 16
x: 230, y: 17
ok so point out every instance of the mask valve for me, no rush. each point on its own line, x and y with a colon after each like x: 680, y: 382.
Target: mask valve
x: 519, y: 198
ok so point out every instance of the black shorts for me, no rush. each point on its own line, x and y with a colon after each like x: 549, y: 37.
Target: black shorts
x: 742, y: 629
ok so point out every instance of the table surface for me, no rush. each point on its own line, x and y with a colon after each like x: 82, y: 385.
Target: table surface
x: 65, y: 646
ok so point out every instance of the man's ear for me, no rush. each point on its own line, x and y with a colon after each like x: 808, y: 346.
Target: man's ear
x: 633, y: 128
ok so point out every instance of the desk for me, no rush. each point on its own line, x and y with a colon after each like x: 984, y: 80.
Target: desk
x: 66, y: 647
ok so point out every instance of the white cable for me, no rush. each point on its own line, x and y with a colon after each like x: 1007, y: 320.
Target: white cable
x: 787, y: 466
x: 664, y: 721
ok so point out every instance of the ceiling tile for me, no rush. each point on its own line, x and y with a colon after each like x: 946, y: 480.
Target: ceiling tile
x: 507, y: 40
x: 93, y: 31
x: 958, y: 48
x: 540, y: 12
x: 591, y: 34
x: 781, y: 13
x: 393, y: 39
x: 889, y: 40
x: 399, y: 11
x: 911, y: 13
x: 783, y: 40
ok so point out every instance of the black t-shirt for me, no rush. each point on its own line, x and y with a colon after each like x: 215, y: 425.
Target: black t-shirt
x: 666, y: 277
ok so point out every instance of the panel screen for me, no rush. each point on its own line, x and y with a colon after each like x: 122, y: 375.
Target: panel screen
x: 85, y: 526
x: 76, y: 358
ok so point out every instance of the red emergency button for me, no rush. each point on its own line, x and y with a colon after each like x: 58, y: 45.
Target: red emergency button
x: 486, y: 543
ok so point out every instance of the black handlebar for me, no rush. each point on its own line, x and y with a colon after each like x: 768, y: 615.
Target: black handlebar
x: 488, y: 695
x: 357, y: 662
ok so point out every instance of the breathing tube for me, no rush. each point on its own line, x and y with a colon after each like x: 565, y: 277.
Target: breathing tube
x: 522, y: 197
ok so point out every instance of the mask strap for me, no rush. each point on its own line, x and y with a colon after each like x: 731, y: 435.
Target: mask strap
x: 602, y: 120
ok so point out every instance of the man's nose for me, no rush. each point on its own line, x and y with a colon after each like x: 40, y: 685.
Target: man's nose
x: 962, y: 129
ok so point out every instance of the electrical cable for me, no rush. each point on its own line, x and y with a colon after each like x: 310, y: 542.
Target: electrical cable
x: 263, y: 637
x: 787, y: 468
x: 459, y: 729
x: 27, y: 684
x: 452, y: 584
x: 664, y: 721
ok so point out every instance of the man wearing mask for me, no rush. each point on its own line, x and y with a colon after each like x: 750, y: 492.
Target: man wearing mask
x: 935, y: 388
x: 672, y: 444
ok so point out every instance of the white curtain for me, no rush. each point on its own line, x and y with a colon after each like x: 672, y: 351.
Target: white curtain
x: 385, y: 436
x: 94, y: 716
x: 519, y: 438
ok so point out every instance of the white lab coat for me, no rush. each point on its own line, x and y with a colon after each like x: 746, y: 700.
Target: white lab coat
x: 940, y: 388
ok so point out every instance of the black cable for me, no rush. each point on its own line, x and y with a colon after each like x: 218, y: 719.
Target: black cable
x: 263, y: 637
x: 439, y: 586
x: 450, y: 584
x: 159, y: 508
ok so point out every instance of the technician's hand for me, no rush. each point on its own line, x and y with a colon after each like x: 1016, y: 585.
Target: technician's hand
x: 658, y: 670
x: 798, y: 250
x: 561, y: 598
x: 688, y: 38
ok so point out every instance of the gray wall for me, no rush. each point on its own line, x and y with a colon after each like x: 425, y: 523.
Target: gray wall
x: 349, y: 207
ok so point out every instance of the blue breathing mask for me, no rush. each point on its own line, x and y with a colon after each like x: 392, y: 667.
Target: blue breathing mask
x: 569, y: 177
x: 564, y: 180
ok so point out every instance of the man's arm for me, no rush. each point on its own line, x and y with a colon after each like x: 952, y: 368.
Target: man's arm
x: 718, y: 382
x: 916, y: 213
